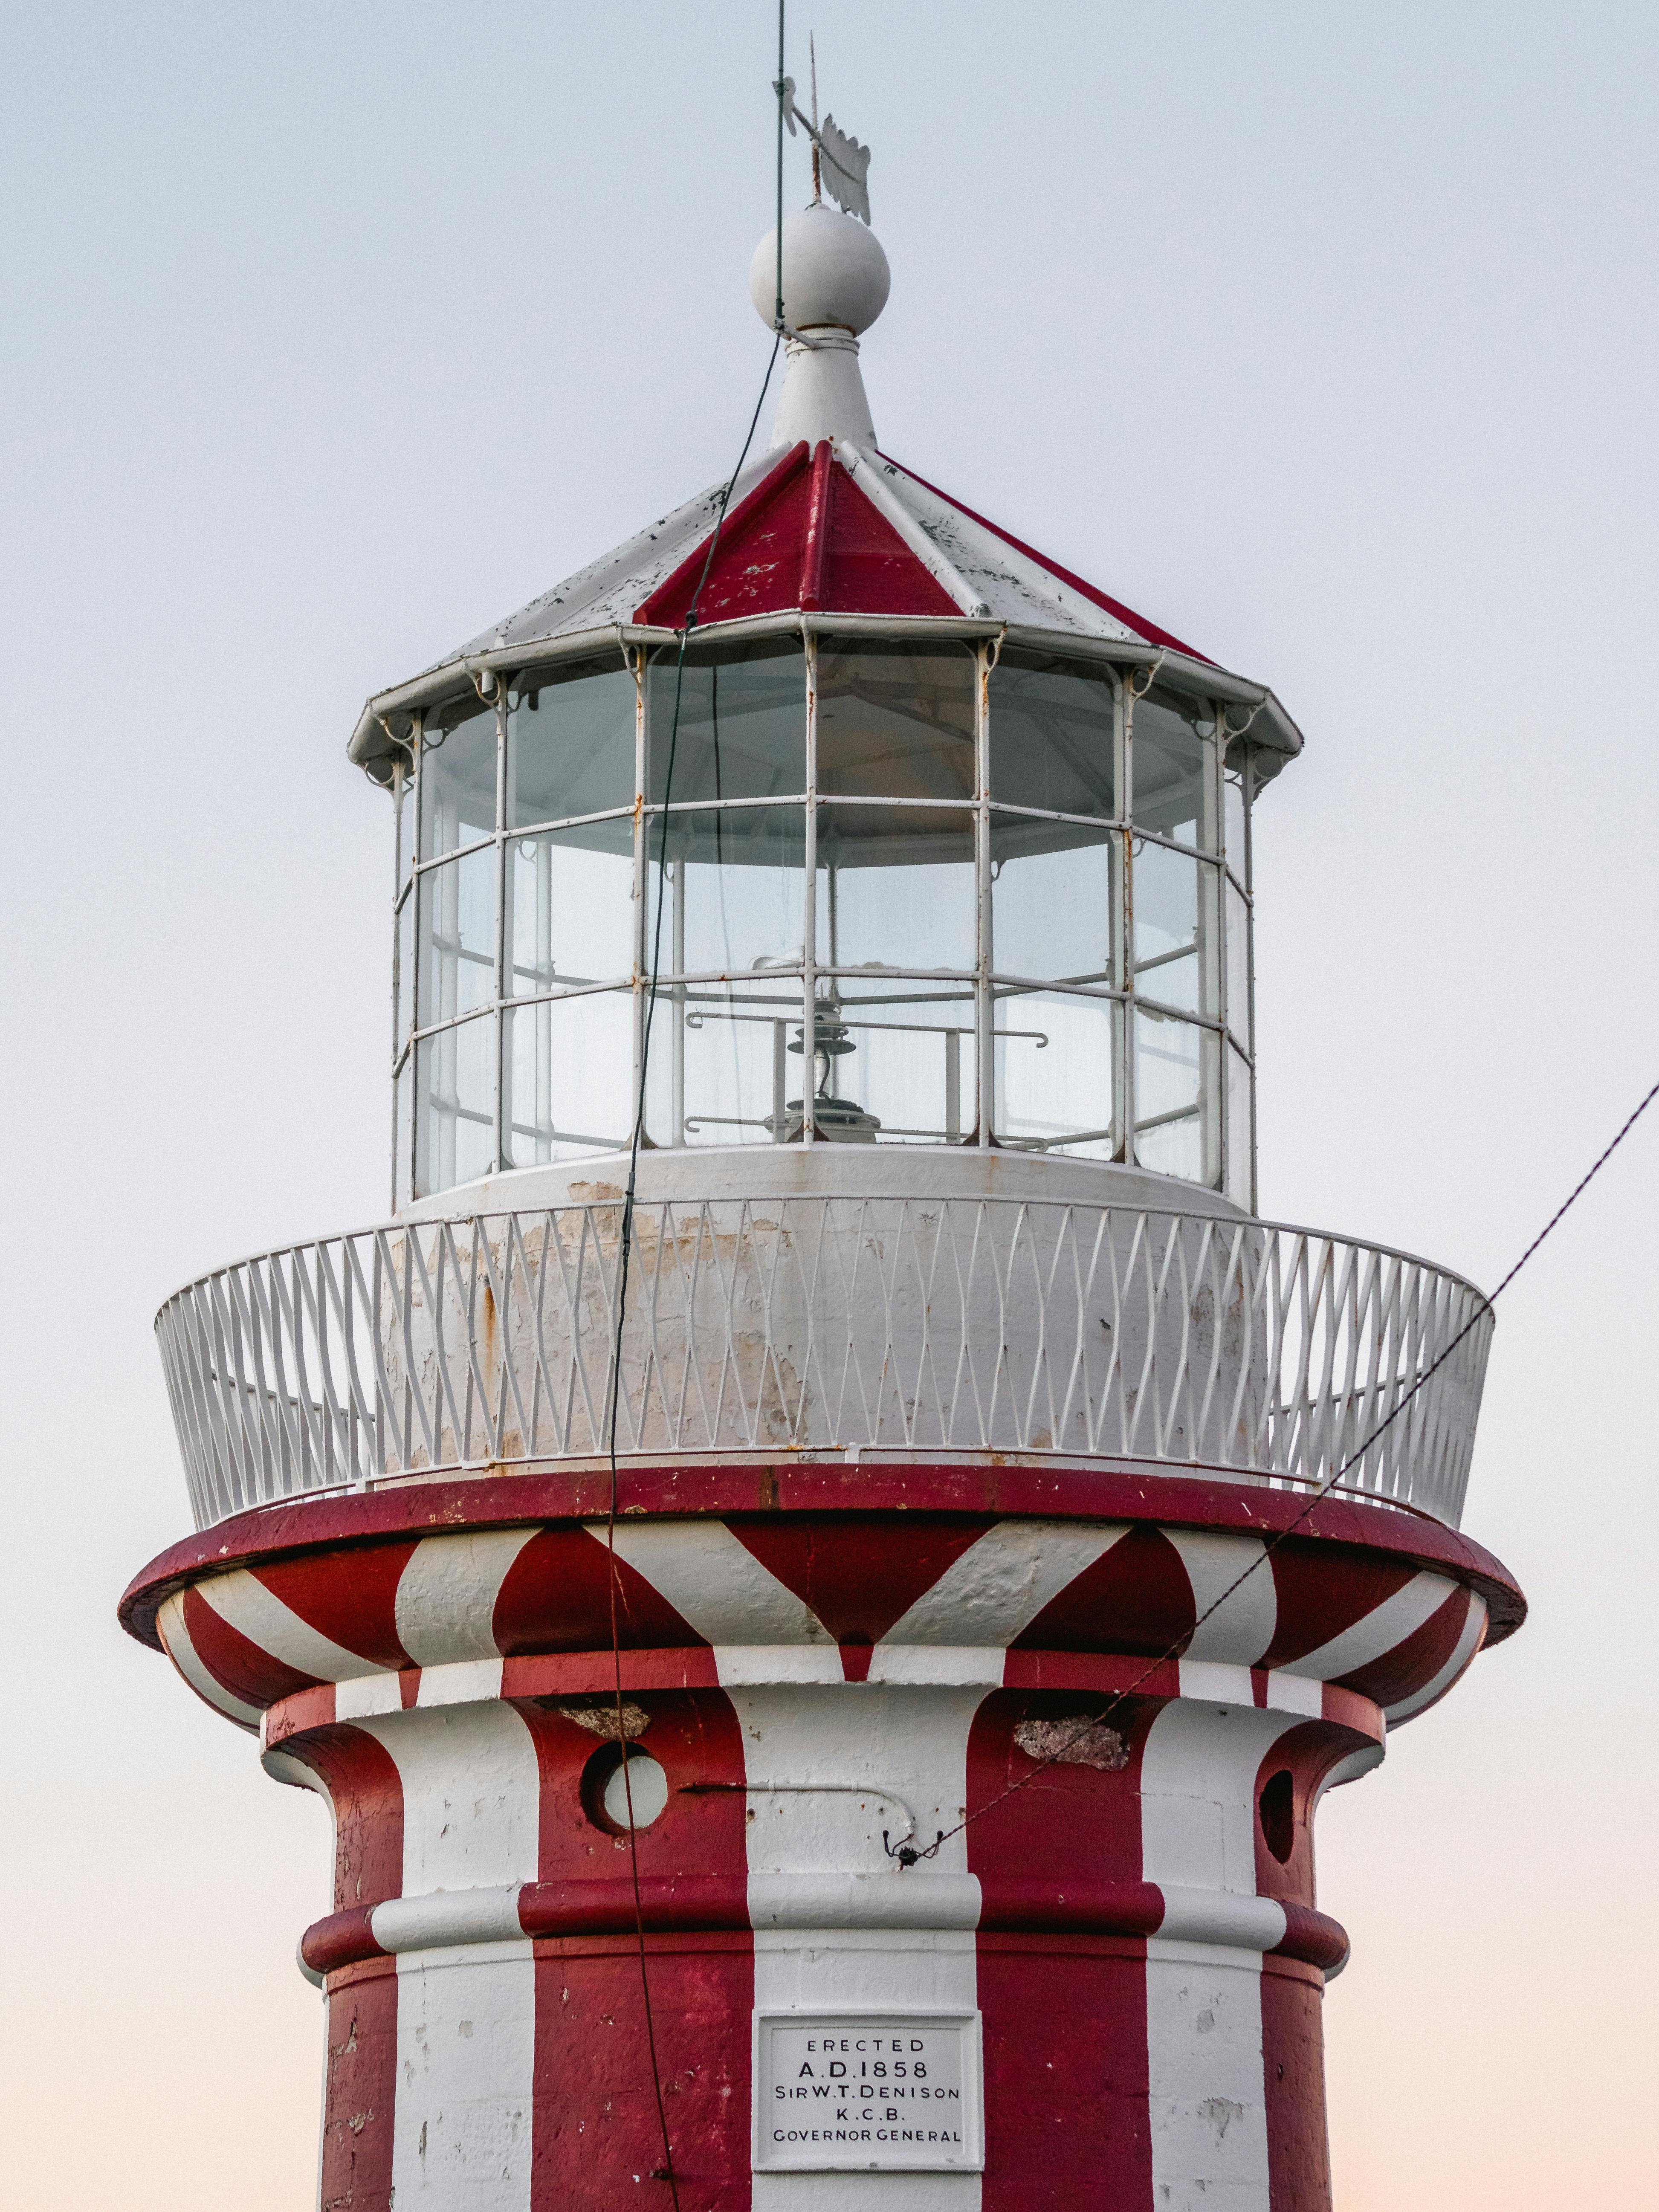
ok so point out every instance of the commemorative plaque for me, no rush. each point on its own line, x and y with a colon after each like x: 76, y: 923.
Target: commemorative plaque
x: 862, y: 2090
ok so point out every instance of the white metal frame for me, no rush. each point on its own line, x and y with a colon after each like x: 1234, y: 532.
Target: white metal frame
x: 1218, y: 868
x: 820, y: 1326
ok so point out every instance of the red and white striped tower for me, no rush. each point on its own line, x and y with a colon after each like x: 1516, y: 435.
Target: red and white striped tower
x: 973, y: 1718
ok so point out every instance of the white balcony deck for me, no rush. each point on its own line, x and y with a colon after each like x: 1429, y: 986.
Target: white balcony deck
x: 818, y: 1325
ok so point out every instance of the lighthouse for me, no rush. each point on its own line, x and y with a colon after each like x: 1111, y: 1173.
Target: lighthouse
x: 824, y: 1555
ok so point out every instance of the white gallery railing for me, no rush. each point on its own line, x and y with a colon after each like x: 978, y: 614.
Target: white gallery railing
x: 900, y: 1327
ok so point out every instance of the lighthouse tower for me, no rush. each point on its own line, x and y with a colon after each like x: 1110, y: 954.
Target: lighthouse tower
x: 892, y: 1595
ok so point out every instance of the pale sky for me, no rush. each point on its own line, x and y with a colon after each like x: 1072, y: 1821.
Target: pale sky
x: 1323, y: 334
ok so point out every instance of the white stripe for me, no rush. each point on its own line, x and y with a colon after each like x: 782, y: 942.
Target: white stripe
x: 738, y: 1663
x: 1198, y: 1818
x: 880, y: 1946
x: 883, y: 1974
x: 445, y: 1918
x: 994, y: 1589
x: 1350, y: 1769
x: 1295, y: 1693
x: 283, y: 1766
x: 1208, y: 1681
x: 466, y: 2016
x: 1218, y: 1915
x: 1474, y: 1635
x: 242, y: 1600
x: 1206, y: 2093
x: 713, y: 1582
x: 938, y: 1662
x: 863, y: 1741
x: 370, y: 1694
x: 466, y: 2050
x: 915, y: 1898
x: 175, y: 1641
x: 1378, y: 1632
x: 446, y: 1595
x: 471, y: 1794
x: 463, y: 1682
x: 1242, y: 1626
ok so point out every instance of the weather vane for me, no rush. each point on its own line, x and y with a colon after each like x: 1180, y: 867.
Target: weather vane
x: 838, y: 161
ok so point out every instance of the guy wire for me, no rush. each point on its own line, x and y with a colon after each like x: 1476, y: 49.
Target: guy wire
x: 667, y: 2172
x: 908, y: 1856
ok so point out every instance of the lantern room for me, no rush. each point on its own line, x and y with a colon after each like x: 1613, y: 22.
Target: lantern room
x: 825, y: 813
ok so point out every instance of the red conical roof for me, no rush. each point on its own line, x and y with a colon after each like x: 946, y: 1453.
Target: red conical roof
x: 806, y: 537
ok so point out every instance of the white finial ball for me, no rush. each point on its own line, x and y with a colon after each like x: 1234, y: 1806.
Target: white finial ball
x: 834, y: 272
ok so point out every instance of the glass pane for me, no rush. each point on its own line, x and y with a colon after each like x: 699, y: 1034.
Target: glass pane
x: 568, y: 1070
x: 1174, y: 921
x: 1176, y: 1120
x: 1238, y: 968
x: 1239, y: 1128
x: 403, y: 1134
x: 455, y: 1106
x: 457, y: 775
x: 896, y: 888
x: 737, y: 891
x: 457, y: 952
x: 1173, y: 753
x: 402, y: 812
x: 1053, y: 899
x: 895, y: 721
x: 1233, y: 810
x: 403, y: 985
x: 1051, y: 735
x: 1053, y: 1073
x: 894, y: 1067
x: 719, y: 1070
x: 742, y: 723
x: 570, y: 906
x: 570, y: 742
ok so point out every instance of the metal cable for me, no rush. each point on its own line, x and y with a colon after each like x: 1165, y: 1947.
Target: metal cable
x: 666, y: 2172
x: 908, y: 1856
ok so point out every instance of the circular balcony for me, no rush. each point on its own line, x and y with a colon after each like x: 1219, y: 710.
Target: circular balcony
x: 790, y: 1327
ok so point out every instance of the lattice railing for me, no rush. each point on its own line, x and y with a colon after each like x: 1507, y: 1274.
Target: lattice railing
x: 902, y: 1326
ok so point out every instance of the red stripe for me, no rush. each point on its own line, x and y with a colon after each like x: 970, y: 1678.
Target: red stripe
x: 557, y: 1597
x: 668, y: 604
x: 594, y: 1673
x: 1314, y: 1938
x: 1319, y: 1596
x: 245, y: 1669
x: 1065, y: 2074
x: 1293, y: 2083
x: 696, y: 1849
x: 596, y: 2123
x: 350, y: 1597
x: 1136, y: 1597
x: 361, y: 2095
x: 860, y: 1573
x: 1087, y: 1670
x: 596, y: 2145
x: 366, y: 1791
x: 669, y: 1905
x: 1413, y: 1663
x: 343, y: 1939
x: 871, y: 569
